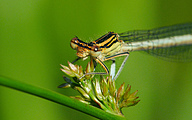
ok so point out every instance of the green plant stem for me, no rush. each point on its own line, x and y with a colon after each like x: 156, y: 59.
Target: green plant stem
x: 59, y: 98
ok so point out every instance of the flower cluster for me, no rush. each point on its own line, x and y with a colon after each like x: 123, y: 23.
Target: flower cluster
x: 100, y: 92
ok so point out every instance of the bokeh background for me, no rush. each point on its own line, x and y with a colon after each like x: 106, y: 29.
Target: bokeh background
x: 35, y: 37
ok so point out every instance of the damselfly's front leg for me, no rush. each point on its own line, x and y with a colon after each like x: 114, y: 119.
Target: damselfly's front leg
x: 76, y: 60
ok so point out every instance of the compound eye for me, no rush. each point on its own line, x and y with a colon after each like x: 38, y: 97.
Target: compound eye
x: 75, y: 40
x: 74, y: 43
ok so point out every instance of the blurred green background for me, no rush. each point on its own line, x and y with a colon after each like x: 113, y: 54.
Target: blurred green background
x: 35, y: 37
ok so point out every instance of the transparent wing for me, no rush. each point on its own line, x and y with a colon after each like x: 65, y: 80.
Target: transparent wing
x: 174, y: 53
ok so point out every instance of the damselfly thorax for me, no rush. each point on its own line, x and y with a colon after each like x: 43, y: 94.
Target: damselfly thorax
x: 107, y: 45
x: 173, y: 42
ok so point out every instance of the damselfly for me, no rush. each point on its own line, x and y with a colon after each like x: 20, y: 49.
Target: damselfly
x: 172, y: 42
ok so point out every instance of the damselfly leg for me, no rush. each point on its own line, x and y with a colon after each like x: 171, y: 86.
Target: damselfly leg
x: 112, y: 69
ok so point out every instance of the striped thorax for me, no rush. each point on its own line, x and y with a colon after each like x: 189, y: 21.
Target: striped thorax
x: 106, y: 45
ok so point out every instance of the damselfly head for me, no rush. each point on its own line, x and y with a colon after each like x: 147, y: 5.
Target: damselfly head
x: 85, y: 49
x: 80, y: 46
